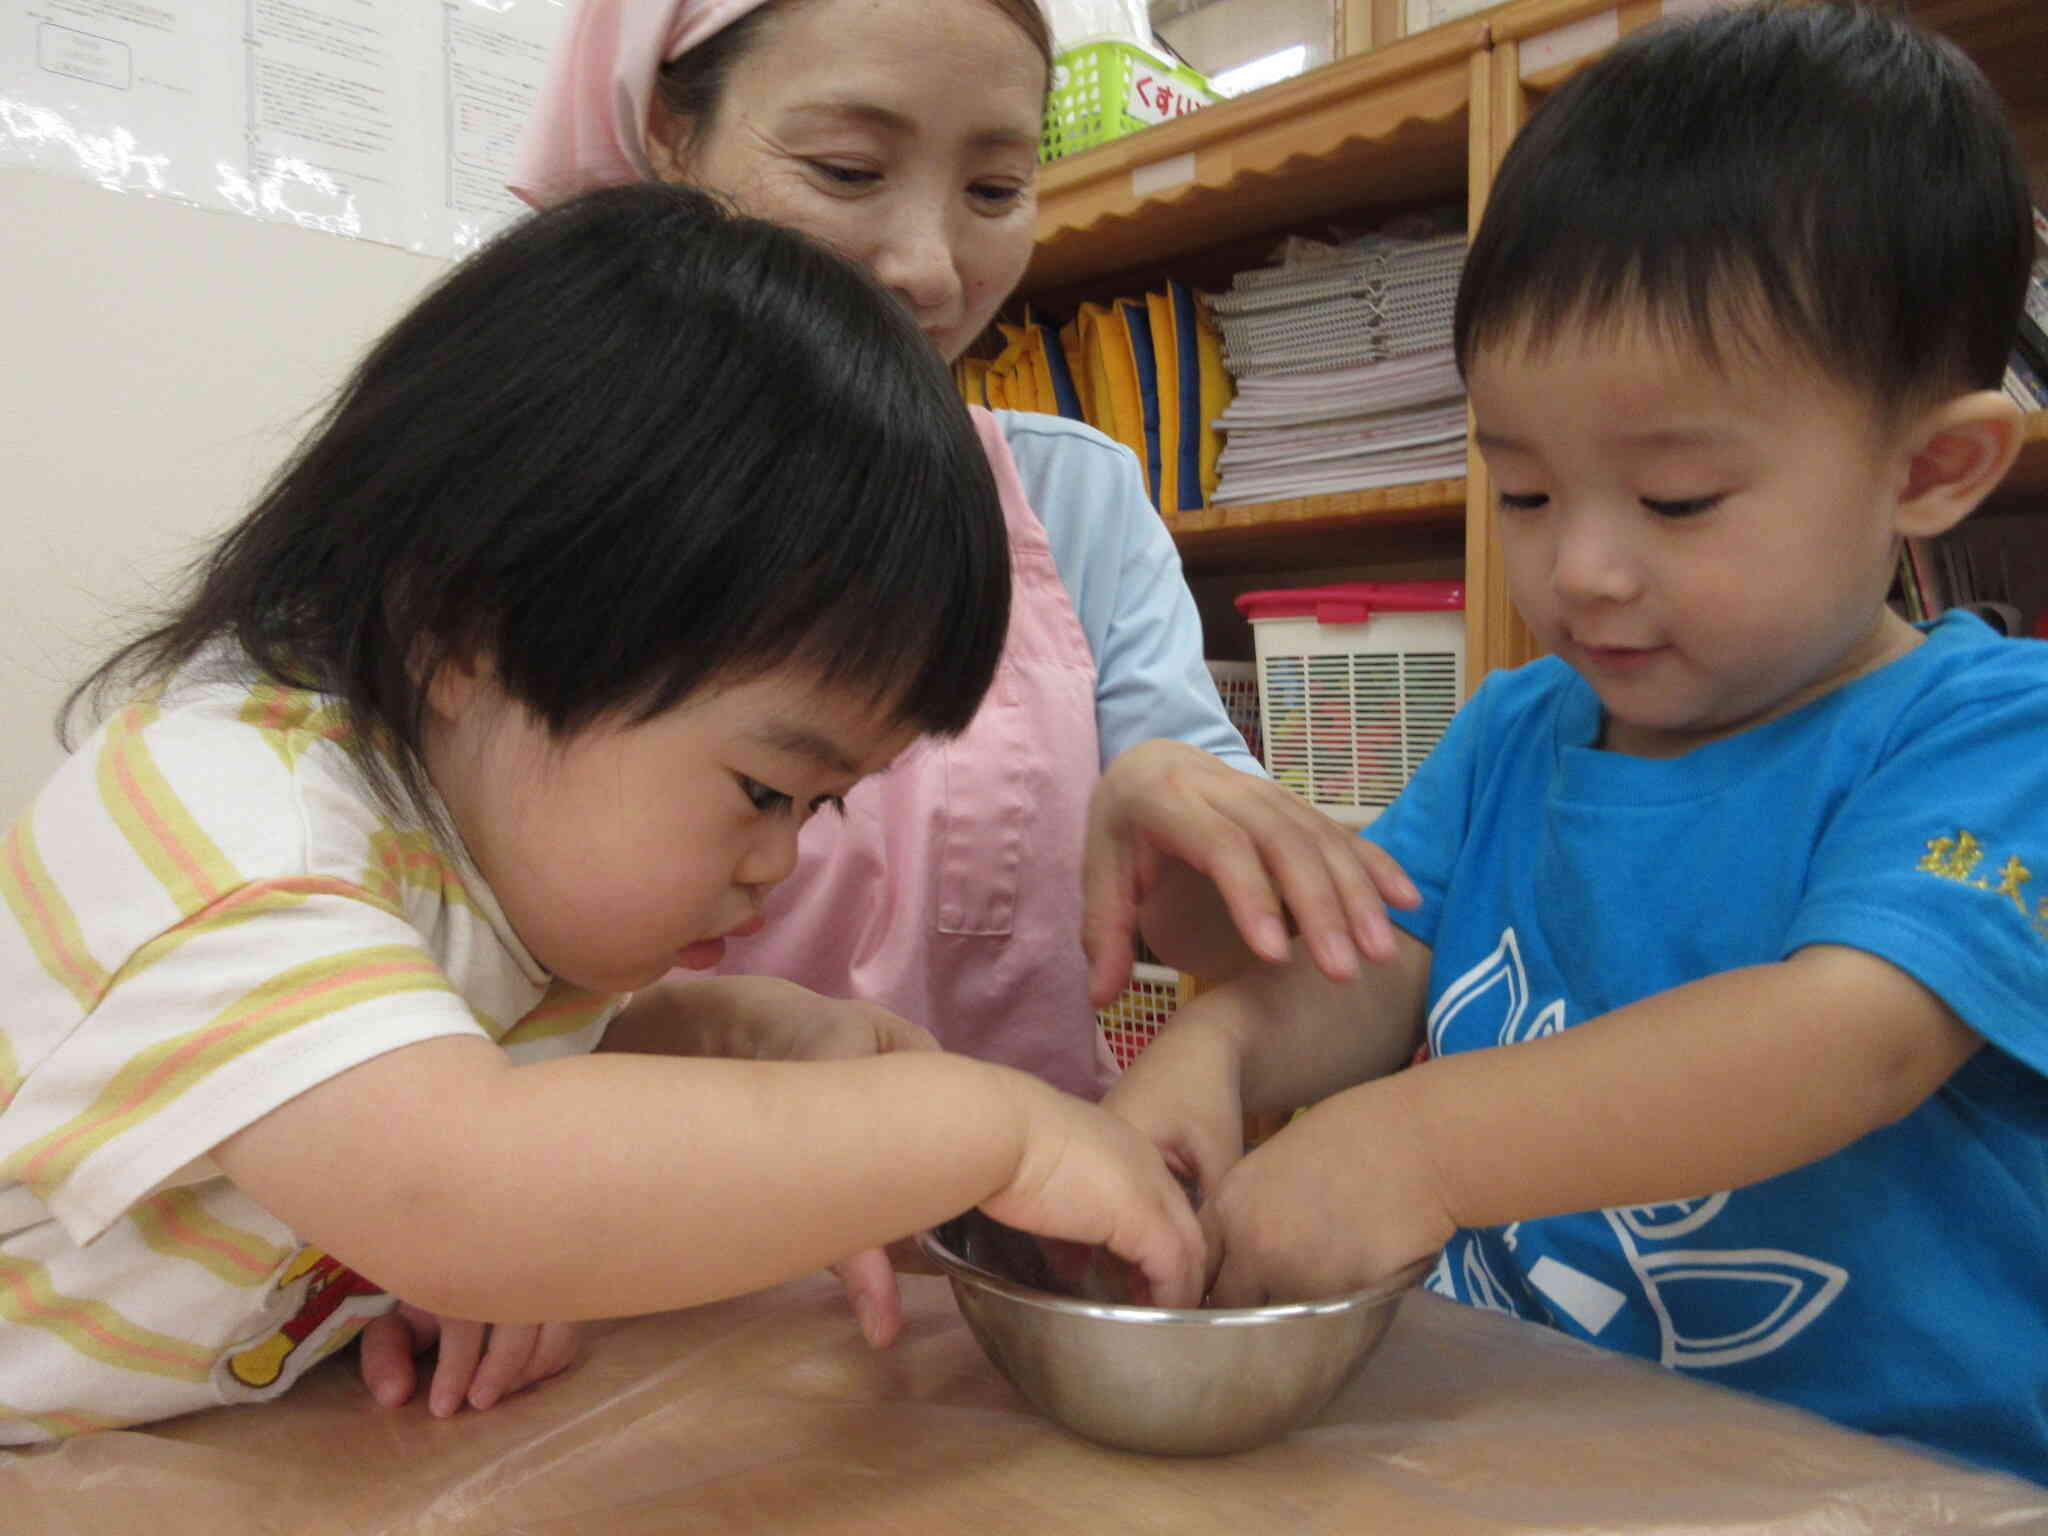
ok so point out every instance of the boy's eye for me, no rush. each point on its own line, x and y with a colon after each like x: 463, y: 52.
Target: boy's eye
x: 1527, y: 502
x: 1690, y: 506
x: 997, y: 193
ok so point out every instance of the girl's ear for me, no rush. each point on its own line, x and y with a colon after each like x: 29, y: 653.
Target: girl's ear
x: 458, y: 680
x: 1961, y: 449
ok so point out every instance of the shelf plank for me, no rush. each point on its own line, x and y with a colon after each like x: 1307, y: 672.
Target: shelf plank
x: 1331, y: 529
x: 1387, y: 126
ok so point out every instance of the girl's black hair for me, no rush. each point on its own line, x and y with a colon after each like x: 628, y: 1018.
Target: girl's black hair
x: 1823, y: 176
x: 635, y: 445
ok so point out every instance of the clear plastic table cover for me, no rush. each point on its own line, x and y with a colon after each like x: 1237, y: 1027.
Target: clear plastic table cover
x: 768, y: 1413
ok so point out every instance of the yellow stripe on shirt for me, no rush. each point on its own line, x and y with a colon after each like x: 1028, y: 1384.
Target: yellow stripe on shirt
x: 46, y: 918
x: 259, y: 898
x: 164, y: 835
x: 93, y: 1328
x: 161, y: 1074
x: 176, y: 1223
x: 563, y: 1011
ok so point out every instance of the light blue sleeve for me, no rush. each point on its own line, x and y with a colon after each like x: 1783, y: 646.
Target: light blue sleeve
x: 1124, y: 577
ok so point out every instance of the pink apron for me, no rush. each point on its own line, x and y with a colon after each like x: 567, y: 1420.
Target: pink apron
x: 950, y: 891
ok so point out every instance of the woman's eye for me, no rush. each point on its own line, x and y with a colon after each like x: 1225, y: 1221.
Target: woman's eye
x: 763, y: 799
x: 1522, y: 502
x: 1689, y: 506
x: 845, y: 175
x: 996, y: 193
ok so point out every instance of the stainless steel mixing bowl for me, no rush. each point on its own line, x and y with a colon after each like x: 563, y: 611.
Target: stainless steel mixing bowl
x: 1173, y: 1381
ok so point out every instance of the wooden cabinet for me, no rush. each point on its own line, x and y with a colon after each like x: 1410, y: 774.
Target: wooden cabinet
x: 1422, y: 121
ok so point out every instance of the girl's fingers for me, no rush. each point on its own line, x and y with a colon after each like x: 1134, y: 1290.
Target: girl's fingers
x: 462, y: 1345
x: 384, y: 1351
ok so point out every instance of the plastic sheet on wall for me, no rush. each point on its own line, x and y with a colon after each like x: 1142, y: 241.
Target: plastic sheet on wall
x: 387, y: 120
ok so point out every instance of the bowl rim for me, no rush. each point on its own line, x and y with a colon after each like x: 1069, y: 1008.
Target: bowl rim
x: 959, y: 1268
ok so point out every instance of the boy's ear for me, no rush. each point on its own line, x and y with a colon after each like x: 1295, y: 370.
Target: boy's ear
x: 1960, y: 450
x: 666, y: 139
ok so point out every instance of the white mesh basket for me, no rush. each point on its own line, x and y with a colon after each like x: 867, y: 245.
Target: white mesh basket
x: 1357, y: 683
x: 1238, y: 684
x: 1146, y: 1002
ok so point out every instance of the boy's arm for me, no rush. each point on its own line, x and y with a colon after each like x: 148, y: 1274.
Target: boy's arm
x: 1709, y: 1086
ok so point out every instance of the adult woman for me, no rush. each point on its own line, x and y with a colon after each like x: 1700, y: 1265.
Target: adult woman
x: 905, y: 133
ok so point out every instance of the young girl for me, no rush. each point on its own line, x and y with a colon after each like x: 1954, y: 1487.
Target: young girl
x: 510, y: 695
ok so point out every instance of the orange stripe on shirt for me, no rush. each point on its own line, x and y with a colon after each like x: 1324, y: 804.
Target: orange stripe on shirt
x: 46, y: 919
x: 564, y: 1011
x: 93, y: 1328
x: 165, y: 836
x: 163, y: 1072
x: 259, y: 898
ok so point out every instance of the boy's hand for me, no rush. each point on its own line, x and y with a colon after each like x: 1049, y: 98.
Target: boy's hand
x: 1268, y: 853
x: 1182, y: 1094
x: 477, y: 1363
x: 1338, y: 1200
x: 1090, y: 1177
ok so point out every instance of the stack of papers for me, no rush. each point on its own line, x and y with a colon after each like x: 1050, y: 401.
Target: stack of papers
x: 1345, y: 377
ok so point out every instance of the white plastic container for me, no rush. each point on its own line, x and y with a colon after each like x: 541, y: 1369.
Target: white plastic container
x: 1357, y: 682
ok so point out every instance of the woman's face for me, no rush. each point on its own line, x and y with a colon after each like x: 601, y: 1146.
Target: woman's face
x: 903, y: 133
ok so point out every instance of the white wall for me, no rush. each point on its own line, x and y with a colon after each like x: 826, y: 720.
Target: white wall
x: 156, y: 362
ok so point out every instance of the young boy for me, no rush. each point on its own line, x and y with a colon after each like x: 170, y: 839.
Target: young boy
x: 1732, y: 955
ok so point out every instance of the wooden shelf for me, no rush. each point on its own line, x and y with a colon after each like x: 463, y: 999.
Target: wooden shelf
x: 1351, y: 525
x: 1386, y: 127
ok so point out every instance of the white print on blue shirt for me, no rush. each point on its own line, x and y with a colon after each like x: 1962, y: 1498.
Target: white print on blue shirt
x: 1709, y: 1306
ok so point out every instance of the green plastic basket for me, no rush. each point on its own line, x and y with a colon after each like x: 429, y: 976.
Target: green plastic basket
x: 1104, y: 90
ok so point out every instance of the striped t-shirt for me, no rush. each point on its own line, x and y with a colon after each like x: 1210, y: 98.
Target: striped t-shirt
x: 207, y: 913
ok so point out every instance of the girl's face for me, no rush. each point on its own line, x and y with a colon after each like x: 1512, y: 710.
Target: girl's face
x: 629, y: 849
x: 1707, y: 548
x: 903, y: 133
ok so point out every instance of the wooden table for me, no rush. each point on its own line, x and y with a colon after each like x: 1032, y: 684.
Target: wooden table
x: 768, y: 1414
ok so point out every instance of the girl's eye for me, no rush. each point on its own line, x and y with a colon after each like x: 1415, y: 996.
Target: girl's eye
x: 1522, y: 503
x: 763, y: 799
x: 1690, y: 506
x: 831, y: 802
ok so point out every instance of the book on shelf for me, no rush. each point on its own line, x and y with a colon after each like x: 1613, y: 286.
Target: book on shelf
x: 2025, y: 384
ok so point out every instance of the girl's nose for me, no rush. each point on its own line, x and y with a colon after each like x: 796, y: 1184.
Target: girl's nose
x: 770, y: 858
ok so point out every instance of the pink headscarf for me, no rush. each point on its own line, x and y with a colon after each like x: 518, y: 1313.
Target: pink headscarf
x: 589, y: 123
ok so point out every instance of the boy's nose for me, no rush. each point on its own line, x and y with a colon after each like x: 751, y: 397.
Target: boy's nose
x: 1591, y: 562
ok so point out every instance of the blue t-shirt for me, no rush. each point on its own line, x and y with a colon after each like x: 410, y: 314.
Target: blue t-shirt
x: 1900, y: 1285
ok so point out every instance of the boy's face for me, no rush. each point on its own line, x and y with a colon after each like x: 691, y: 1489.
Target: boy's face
x: 1708, y: 549
x: 627, y: 850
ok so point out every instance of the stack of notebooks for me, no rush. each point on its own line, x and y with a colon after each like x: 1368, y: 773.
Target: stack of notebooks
x: 1342, y: 361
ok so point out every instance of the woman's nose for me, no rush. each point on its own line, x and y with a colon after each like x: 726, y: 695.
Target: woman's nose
x: 915, y: 260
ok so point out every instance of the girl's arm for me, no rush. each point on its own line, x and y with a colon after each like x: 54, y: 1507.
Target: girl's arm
x: 614, y: 1184
x: 1716, y: 1084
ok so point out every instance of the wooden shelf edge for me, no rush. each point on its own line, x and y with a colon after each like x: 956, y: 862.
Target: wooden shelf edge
x: 1217, y: 535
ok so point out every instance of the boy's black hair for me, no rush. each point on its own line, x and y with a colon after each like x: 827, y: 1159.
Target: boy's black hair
x: 1823, y: 176
x: 635, y: 445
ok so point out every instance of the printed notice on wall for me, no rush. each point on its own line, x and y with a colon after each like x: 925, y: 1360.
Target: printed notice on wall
x: 390, y: 120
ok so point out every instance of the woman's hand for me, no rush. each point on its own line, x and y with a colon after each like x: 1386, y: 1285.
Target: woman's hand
x: 476, y: 1363
x: 1182, y: 1094
x: 1212, y: 862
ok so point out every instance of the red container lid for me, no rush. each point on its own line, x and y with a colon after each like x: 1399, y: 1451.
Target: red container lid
x: 1353, y: 602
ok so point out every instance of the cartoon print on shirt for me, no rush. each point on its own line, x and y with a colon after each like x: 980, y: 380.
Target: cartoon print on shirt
x: 323, y: 1318
x: 1710, y: 1306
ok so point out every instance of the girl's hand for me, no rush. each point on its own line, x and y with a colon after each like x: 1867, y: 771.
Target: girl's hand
x: 759, y: 1018
x: 1267, y: 853
x: 1091, y: 1177
x: 1337, y: 1200
x: 477, y: 1363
